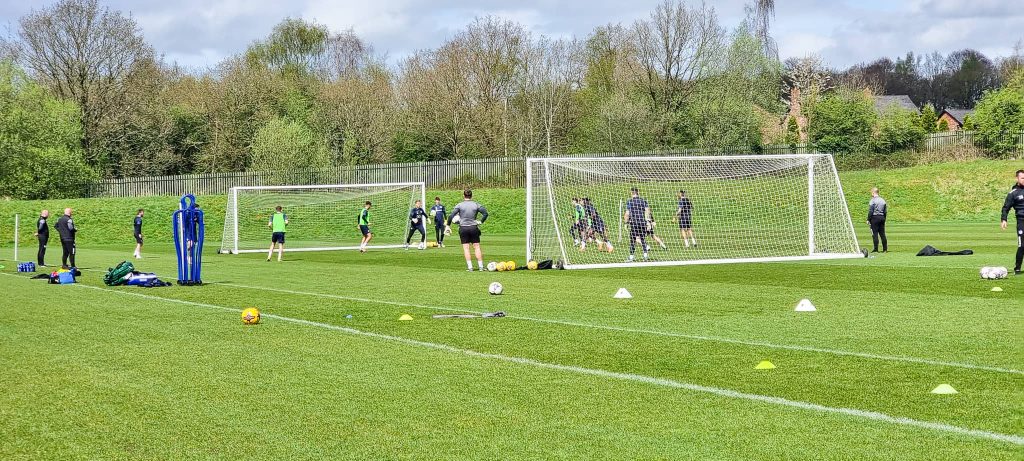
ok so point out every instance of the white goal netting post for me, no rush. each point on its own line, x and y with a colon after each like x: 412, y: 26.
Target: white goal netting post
x: 321, y: 217
x: 744, y: 208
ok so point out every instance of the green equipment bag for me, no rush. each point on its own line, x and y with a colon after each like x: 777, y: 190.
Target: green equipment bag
x: 118, y: 275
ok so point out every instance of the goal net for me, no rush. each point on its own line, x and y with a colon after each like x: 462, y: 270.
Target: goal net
x: 752, y: 208
x: 320, y: 217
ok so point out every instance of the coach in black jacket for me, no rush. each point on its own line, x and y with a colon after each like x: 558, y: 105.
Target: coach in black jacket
x: 1015, y: 200
x: 66, y: 228
x: 43, y: 234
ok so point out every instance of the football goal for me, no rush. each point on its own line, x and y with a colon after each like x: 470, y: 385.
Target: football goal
x: 321, y: 217
x: 739, y: 208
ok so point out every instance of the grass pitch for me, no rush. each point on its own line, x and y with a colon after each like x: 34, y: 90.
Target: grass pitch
x: 171, y: 373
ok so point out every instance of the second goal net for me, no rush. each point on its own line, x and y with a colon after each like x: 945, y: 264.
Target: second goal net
x: 742, y: 208
x: 321, y: 217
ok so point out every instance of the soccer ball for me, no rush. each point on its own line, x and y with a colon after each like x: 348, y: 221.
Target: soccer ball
x: 500, y: 266
x: 986, y: 273
x: 510, y: 265
x: 495, y: 288
x: 251, y: 316
x: 492, y: 266
x: 532, y: 265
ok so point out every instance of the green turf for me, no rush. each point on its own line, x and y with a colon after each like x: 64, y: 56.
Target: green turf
x: 104, y: 373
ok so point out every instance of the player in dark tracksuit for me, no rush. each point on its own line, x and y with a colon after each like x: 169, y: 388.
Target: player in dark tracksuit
x: 878, y: 212
x: 1015, y: 200
x: 417, y: 223
x: 439, y: 213
x: 137, y: 232
x: 66, y: 229
x: 43, y: 234
x: 638, y: 212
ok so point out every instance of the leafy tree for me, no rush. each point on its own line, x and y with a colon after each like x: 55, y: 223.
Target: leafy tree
x: 928, y: 119
x: 898, y: 129
x: 842, y: 121
x: 40, y: 151
x: 792, y: 132
x: 943, y: 126
x: 998, y: 119
x: 284, y: 145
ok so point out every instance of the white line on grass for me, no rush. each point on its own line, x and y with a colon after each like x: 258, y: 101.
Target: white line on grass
x: 864, y: 414
x: 866, y: 355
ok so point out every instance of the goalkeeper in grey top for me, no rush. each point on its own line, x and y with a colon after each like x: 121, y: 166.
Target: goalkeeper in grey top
x: 465, y: 214
x: 878, y: 210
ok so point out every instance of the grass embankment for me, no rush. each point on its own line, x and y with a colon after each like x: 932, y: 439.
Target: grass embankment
x: 966, y: 191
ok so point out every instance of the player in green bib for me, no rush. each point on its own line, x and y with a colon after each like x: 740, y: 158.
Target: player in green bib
x: 278, y: 224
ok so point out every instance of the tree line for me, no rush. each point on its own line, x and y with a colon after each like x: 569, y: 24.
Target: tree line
x: 84, y: 96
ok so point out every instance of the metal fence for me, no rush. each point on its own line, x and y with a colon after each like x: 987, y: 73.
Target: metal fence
x: 447, y: 174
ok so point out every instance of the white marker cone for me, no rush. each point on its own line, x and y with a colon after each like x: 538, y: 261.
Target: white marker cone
x: 622, y: 294
x: 805, y: 306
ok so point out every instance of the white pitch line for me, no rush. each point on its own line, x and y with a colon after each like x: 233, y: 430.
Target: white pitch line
x: 722, y: 392
x: 865, y: 355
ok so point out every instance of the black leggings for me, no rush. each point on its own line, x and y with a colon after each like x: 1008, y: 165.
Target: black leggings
x: 415, y: 229
x: 41, y: 254
x: 1020, y: 244
x: 634, y: 234
x: 878, y: 231
x: 69, y: 252
x: 439, y: 234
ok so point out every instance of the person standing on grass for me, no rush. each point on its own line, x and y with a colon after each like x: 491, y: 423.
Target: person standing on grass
x: 278, y: 225
x: 465, y: 215
x: 878, y: 210
x: 364, y: 226
x: 66, y: 229
x: 637, y: 215
x: 1015, y: 200
x: 684, y: 216
x: 43, y: 234
x: 417, y: 223
x: 137, y: 232
x: 438, y: 212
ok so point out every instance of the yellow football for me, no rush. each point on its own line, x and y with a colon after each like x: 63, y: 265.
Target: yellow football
x: 532, y: 265
x: 501, y: 267
x: 510, y: 265
x: 251, y: 316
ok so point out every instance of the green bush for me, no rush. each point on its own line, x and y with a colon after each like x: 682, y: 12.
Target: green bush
x: 40, y: 141
x: 842, y: 122
x: 998, y: 120
x: 898, y: 129
x: 282, y: 145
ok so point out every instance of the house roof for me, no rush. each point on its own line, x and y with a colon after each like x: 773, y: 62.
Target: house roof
x: 958, y: 114
x: 883, y: 102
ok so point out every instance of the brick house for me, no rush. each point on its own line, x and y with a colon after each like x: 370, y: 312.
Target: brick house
x: 955, y: 118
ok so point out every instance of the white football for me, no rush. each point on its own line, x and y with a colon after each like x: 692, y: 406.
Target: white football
x: 986, y: 272
x: 492, y: 266
x: 495, y: 288
x: 1000, y: 272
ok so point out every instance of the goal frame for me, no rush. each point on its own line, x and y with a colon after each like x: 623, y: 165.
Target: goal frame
x: 811, y: 255
x: 233, y: 200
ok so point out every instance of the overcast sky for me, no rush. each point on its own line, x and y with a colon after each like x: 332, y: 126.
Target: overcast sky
x: 199, y: 33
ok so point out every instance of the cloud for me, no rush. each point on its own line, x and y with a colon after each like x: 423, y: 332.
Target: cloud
x: 200, y: 33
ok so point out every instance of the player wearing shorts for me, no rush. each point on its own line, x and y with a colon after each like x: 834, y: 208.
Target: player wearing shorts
x: 465, y: 215
x: 364, y: 226
x: 684, y: 216
x: 417, y: 223
x: 637, y: 214
x: 595, y: 228
x: 277, y: 224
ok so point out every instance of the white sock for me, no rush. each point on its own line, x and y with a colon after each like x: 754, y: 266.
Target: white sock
x: 469, y: 265
x: 481, y: 264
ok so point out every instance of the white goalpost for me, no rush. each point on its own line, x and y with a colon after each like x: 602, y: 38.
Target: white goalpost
x: 743, y: 208
x: 321, y: 217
